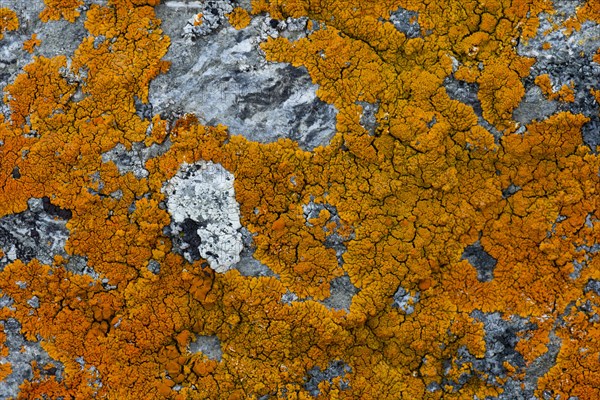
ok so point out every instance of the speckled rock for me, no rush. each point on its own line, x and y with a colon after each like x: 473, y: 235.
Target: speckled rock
x: 223, y: 77
x: 201, y: 198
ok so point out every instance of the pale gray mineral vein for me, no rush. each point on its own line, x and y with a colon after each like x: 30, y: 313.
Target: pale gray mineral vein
x: 223, y: 77
x: 203, y: 193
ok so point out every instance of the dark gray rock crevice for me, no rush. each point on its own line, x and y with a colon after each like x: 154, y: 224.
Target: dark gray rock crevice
x: 466, y: 93
x: 481, y: 260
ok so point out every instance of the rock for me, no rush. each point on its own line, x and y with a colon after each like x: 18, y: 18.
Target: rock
x: 201, y: 201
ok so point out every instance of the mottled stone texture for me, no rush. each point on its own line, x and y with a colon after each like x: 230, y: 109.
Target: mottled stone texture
x: 222, y: 77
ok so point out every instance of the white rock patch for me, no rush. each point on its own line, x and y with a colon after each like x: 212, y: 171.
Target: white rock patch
x: 204, y: 192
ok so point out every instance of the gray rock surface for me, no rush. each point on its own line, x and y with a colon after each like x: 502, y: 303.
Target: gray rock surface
x: 567, y: 62
x: 501, y: 337
x: 534, y: 106
x: 481, y: 261
x: 335, y: 369
x: 39, y: 232
x: 248, y: 265
x: 342, y: 291
x: 21, y: 353
x: 467, y: 93
x: 209, y: 345
x: 134, y: 160
x: 57, y: 37
x: 593, y: 285
x: 223, y: 77
x: 332, y: 239
x: 406, y: 22
x: 405, y: 300
x: 368, y: 118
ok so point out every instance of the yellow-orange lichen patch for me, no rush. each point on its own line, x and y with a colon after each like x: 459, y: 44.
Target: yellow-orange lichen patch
x: 30, y: 44
x: 579, y: 346
x: 565, y: 93
x: 596, y: 94
x: 500, y: 92
x: 57, y: 9
x: 590, y: 10
x: 399, y: 207
x: 239, y: 18
x: 198, y: 19
x: 8, y: 21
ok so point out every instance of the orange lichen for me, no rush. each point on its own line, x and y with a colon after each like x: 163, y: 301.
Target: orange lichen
x: 565, y: 93
x: 409, y: 197
x: 500, y: 92
x: 198, y: 19
x: 596, y: 94
x: 587, y: 11
x: 239, y: 18
x: 590, y: 10
x: 57, y: 9
x: 544, y: 82
x: 30, y: 44
x: 8, y: 21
